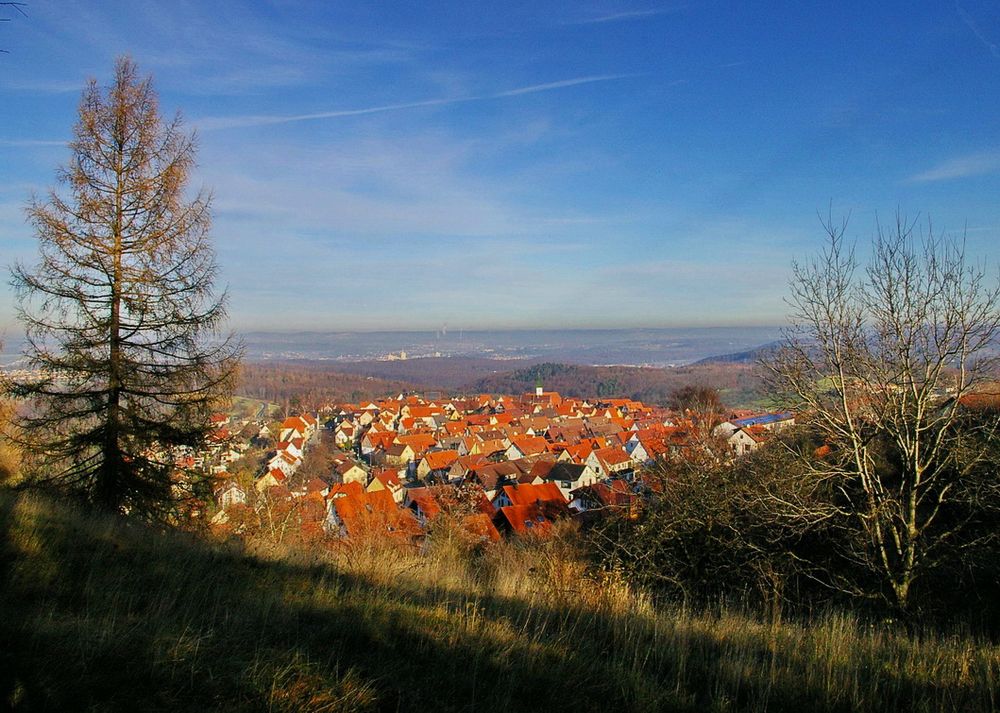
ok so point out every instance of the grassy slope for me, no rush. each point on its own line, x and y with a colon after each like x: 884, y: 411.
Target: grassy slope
x: 98, y: 615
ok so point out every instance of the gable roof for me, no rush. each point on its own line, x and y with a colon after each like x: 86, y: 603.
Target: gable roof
x: 531, y: 445
x: 388, y: 478
x: 609, y: 494
x: 566, y: 471
x: 438, y: 460
x: 364, y: 513
x: 418, y: 441
x: 481, y: 524
x: 612, y: 456
x: 526, y: 493
x: 535, y: 518
x: 398, y: 450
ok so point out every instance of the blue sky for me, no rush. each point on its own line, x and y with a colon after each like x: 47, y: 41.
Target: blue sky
x: 539, y: 164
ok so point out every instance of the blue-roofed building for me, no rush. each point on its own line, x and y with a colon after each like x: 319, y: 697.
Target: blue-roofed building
x: 770, y: 421
x: 745, y: 435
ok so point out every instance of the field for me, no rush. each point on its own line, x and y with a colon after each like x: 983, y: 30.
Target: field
x: 102, y: 615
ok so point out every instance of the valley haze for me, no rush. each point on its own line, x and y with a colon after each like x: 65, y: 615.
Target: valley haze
x: 630, y: 347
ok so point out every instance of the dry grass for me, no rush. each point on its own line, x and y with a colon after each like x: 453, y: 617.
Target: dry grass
x: 99, y: 615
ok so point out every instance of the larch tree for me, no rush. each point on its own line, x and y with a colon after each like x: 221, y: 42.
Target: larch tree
x: 880, y: 360
x: 121, y: 319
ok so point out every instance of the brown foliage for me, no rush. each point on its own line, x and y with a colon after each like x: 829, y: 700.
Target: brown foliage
x: 119, y: 310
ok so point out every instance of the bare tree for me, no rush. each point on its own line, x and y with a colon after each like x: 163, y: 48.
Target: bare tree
x: 120, y: 315
x: 879, y: 360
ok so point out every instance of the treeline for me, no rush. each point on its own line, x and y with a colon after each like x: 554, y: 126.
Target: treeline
x: 448, y: 373
x: 737, y: 383
x: 311, y: 384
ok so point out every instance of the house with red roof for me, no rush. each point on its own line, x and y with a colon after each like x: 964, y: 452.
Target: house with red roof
x: 285, y: 462
x: 527, y: 493
x: 607, y: 462
x: 571, y: 476
x: 436, y: 463
x: 387, y: 479
x: 526, y: 446
x: 424, y: 503
x: 376, y: 440
x: 535, y: 518
x: 746, y: 439
x: 399, y: 454
x: 349, y: 472
x: 418, y: 442
x: 344, y: 434
x: 605, y: 496
x: 272, y: 478
x: 361, y: 514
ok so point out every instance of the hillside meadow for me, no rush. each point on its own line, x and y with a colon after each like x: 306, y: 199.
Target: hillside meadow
x: 104, y: 615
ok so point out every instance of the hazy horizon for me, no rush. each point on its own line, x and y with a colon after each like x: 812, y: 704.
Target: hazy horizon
x: 651, y: 347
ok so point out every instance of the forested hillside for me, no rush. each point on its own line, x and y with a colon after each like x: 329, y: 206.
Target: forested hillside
x: 737, y: 383
x: 448, y: 373
x: 311, y: 384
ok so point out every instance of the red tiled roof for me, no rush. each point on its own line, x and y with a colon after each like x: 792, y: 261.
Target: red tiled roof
x: 339, y: 490
x: 525, y: 493
x: 531, y: 445
x: 419, y: 442
x: 480, y: 524
x: 612, y: 456
x: 374, y: 513
x: 535, y: 518
x: 388, y: 478
x: 438, y: 460
x: 426, y: 503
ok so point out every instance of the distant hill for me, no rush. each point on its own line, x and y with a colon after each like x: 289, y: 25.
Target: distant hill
x: 648, y: 384
x: 312, y: 383
x: 448, y: 373
x: 750, y: 356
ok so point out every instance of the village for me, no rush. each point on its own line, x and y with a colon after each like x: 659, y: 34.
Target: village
x: 502, y: 466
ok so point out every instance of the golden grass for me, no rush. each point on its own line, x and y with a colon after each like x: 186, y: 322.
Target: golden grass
x: 102, y: 615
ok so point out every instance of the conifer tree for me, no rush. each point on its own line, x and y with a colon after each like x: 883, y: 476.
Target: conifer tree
x: 121, y: 319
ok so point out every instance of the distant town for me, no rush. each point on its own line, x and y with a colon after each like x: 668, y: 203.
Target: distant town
x: 505, y: 466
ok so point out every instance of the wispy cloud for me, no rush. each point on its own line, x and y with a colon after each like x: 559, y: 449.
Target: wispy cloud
x: 42, y: 86
x: 558, y: 85
x: 231, y: 122
x: 625, y: 15
x: 978, y: 164
x: 977, y: 31
x: 30, y: 143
